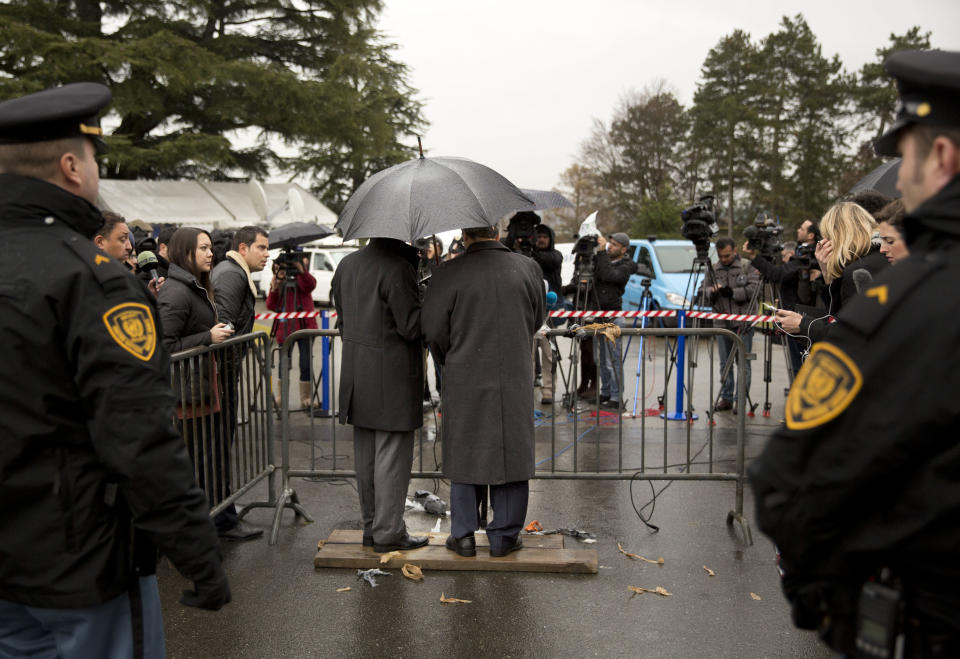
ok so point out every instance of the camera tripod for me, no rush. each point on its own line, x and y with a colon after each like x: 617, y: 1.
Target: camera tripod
x: 770, y: 290
x: 584, y: 297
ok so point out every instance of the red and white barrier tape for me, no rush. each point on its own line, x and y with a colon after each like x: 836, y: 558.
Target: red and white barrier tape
x: 290, y: 315
x: 663, y: 314
x: 706, y: 315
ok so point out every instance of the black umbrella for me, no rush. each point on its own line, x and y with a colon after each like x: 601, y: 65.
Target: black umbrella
x: 883, y: 179
x: 297, y: 233
x: 425, y: 196
x: 546, y: 199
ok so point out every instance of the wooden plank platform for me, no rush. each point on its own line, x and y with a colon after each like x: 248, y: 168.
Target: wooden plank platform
x: 540, y: 553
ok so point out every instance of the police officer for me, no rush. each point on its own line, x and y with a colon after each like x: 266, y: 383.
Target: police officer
x: 861, y: 489
x: 93, y: 477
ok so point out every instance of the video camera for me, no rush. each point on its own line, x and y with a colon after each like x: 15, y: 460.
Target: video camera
x: 763, y: 236
x: 700, y: 225
x: 521, y: 232
x: 288, y: 260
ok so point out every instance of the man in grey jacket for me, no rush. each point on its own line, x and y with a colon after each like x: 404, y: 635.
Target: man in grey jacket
x: 378, y: 315
x: 731, y: 287
x: 235, y: 295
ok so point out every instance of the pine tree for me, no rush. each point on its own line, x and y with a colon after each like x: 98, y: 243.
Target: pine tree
x: 803, y: 103
x: 724, y: 121
x: 223, y: 88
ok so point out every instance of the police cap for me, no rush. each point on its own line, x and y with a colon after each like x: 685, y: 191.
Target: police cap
x: 929, y: 85
x: 54, y: 114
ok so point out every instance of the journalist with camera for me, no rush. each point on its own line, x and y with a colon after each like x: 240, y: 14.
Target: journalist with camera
x: 292, y: 290
x: 521, y: 233
x: 730, y: 287
x: 612, y: 270
x: 763, y: 248
x: 861, y: 489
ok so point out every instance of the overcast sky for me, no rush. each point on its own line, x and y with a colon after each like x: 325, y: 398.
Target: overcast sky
x: 516, y: 84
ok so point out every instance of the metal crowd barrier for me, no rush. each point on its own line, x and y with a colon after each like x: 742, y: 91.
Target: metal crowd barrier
x: 671, y: 452
x: 224, y: 414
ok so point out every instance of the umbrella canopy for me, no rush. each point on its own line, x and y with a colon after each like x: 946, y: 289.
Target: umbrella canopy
x: 297, y: 233
x: 546, y: 199
x: 424, y: 196
x: 883, y: 179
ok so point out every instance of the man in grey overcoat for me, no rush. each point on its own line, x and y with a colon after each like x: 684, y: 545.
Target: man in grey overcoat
x: 378, y: 315
x: 480, y: 314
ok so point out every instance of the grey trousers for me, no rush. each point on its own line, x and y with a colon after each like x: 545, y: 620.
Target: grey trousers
x: 383, y: 461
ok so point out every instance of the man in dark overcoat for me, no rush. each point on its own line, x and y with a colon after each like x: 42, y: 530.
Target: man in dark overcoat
x: 378, y: 315
x: 479, y: 318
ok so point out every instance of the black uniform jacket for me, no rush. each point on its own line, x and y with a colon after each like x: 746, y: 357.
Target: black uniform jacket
x: 480, y: 313
x: 866, y: 472
x: 378, y: 314
x: 87, y: 446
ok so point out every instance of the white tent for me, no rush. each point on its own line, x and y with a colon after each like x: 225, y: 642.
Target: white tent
x: 206, y: 204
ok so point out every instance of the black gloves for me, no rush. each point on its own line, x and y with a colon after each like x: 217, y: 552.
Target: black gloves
x: 209, y: 594
x: 725, y: 291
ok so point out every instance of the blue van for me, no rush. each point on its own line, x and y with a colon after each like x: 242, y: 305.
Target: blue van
x: 671, y: 284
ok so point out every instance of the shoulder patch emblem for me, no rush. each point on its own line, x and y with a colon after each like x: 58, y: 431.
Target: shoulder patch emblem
x: 131, y: 325
x: 100, y: 259
x: 879, y: 292
x: 824, y: 387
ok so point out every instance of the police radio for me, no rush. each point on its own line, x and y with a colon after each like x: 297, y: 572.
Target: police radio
x: 877, y: 622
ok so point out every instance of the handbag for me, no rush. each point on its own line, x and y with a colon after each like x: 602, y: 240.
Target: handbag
x: 196, y: 386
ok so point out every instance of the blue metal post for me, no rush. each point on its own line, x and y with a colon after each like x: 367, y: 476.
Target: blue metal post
x: 680, y: 414
x: 325, y: 360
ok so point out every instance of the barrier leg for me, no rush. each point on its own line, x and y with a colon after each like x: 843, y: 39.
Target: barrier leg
x: 288, y: 497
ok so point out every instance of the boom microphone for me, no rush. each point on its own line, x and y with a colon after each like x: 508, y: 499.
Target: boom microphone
x: 861, y: 279
x: 147, y: 262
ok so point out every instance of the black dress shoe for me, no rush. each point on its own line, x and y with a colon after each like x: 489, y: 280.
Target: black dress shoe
x: 465, y: 546
x: 241, y: 531
x: 517, y: 544
x: 406, y: 542
x: 367, y: 540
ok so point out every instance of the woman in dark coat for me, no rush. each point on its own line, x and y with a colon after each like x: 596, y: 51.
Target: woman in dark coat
x: 188, y: 318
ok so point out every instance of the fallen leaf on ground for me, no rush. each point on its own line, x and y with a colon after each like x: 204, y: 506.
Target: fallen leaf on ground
x: 344, y: 589
x: 755, y: 596
x: 320, y: 544
x: 411, y: 571
x: 659, y: 590
x: 386, y: 557
x: 709, y: 571
x: 452, y: 600
x: 638, y: 557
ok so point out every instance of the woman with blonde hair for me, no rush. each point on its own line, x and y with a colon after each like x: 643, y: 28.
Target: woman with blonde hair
x: 846, y: 248
x: 848, y: 259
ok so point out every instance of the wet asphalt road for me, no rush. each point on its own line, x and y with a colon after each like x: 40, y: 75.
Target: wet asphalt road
x: 283, y: 607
